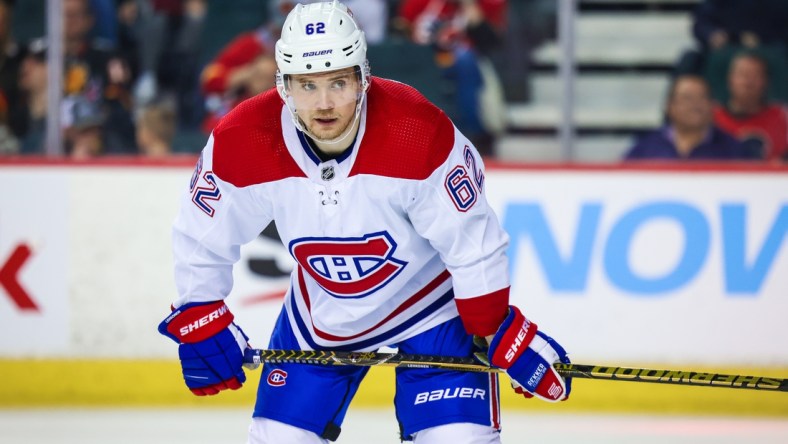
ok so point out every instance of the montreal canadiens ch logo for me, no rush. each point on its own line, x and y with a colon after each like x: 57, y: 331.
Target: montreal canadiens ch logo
x: 277, y: 378
x: 349, y: 267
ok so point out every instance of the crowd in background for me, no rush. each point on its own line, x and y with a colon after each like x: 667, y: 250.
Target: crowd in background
x: 727, y: 99
x: 140, y: 79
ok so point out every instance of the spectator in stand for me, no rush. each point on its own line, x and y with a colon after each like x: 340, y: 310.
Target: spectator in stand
x: 462, y: 32
x: 105, y: 25
x: 94, y: 73
x: 529, y: 24
x: 10, y: 61
x: 32, y: 109
x: 748, y: 23
x: 162, y: 39
x: 84, y: 138
x: 689, y: 132
x: 242, y: 67
x: 9, y: 144
x: 724, y: 27
x: 156, y: 129
x: 140, y: 41
x: 748, y: 115
x: 242, y: 70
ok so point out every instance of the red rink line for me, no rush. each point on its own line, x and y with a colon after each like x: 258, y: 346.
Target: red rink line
x: 188, y: 160
x: 173, y: 161
x: 644, y: 166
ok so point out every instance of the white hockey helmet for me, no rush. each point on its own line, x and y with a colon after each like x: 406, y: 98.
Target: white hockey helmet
x: 316, y: 38
x: 320, y: 37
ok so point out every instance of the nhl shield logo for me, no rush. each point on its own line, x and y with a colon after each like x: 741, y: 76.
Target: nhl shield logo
x: 327, y: 173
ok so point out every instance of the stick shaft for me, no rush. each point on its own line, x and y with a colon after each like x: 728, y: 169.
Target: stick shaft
x: 255, y: 357
x: 678, y: 377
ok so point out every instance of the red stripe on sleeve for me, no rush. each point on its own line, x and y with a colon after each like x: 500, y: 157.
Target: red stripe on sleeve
x: 482, y: 315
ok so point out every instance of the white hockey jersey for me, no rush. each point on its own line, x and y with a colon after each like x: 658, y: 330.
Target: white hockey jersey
x: 386, y: 237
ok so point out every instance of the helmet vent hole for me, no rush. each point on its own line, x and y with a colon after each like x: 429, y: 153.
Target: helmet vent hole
x: 340, y: 22
x: 328, y: 64
x: 308, y: 66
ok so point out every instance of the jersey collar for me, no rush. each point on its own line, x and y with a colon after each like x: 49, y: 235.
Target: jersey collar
x: 310, y: 150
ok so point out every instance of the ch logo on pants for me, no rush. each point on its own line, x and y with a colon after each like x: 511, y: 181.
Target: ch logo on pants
x: 277, y: 378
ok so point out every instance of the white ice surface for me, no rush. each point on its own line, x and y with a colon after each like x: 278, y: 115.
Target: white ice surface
x: 200, y: 426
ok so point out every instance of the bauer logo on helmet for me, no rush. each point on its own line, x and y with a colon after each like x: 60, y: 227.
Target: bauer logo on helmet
x: 317, y: 53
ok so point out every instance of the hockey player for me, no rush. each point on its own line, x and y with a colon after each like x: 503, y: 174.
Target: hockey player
x: 380, y: 201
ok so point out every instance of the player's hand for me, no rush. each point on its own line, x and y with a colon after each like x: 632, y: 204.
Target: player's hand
x: 211, y: 346
x: 528, y: 356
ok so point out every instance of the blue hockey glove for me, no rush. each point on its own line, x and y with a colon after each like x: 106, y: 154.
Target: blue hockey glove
x: 528, y: 356
x: 210, y: 347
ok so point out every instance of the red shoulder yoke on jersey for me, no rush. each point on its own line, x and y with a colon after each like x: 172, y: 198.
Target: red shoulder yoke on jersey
x: 249, y: 136
x: 196, y: 322
x: 407, y: 137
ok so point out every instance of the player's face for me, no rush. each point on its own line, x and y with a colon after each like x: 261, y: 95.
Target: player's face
x: 326, y: 102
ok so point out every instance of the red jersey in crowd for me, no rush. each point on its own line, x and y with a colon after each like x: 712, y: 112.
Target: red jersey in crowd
x: 440, y: 20
x: 241, y: 51
x: 214, y: 79
x: 768, y: 128
x: 494, y: 10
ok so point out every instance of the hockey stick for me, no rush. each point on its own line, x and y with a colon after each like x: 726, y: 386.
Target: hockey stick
x: 254, y: 357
